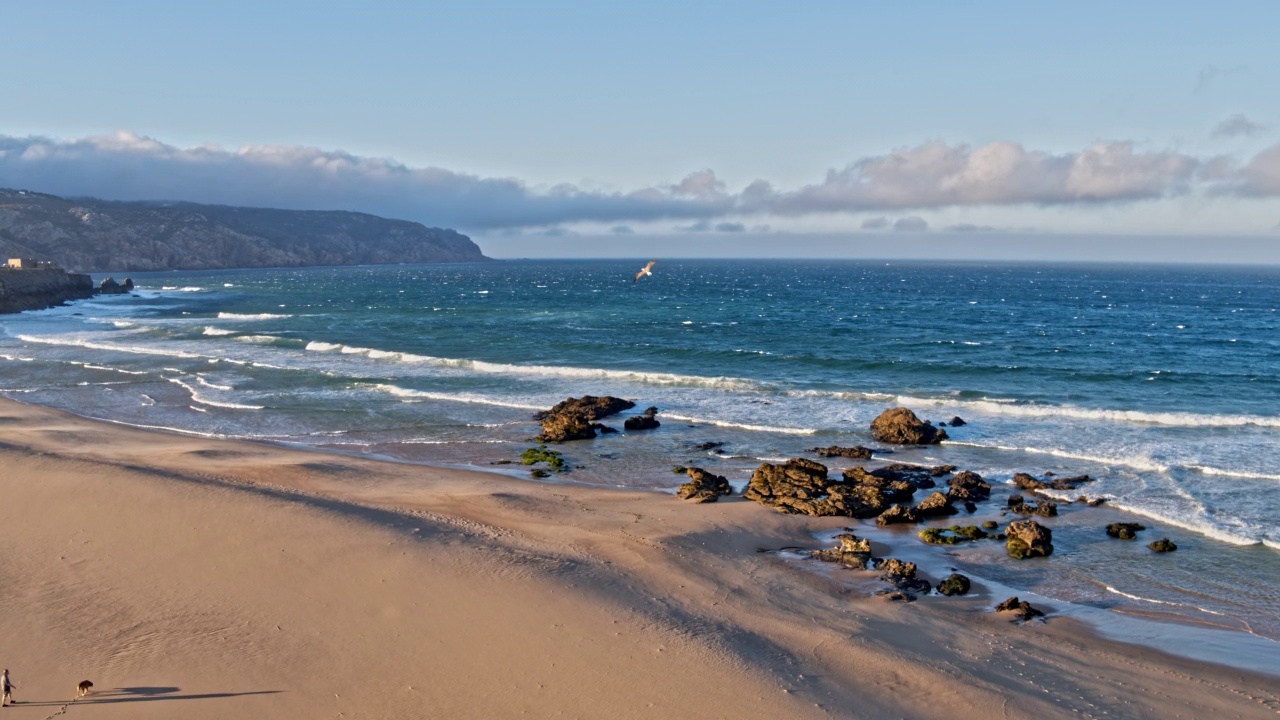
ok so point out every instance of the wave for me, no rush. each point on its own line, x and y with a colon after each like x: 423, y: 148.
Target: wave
x: 259, y: 339
x: 1202, y: 528
x: 1207, y: 470
x: 1136, y: 463
x: 257, y: 316
x: 408, y: 393
x: 637, y: 376
x: 91, y: 345
x: 91, y: 366
x: 200, y: 379
x: 197, y: 397
x: 1139, y: 598
x: 185, y: 288
x: 217, y: 331
x: 1137, y: 417
x: 742, y: 426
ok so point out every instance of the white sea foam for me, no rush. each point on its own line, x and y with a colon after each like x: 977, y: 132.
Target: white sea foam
x: 186, y: 288
x: 89, y: 366
x: 1233, y: 473
x: 201, y: 379
x: 92, y: 345
x: 1136, y: 417
x: 1201, y: 527
x: 217, y: 331
x: 259, y: 339
x: 257, y: 316
x: 636, y: 376
x: 1139, y: 598
x: 197, y: 397
x: 408, y: 393
x: 1135, y: 462
x: 742, y: 426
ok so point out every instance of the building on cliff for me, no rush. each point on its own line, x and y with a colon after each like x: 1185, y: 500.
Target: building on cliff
x: 29, y: 264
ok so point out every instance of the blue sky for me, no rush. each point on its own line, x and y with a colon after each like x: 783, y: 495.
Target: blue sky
x: 718, y: 128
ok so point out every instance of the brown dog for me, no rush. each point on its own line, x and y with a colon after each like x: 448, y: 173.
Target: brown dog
x: 83, y: 688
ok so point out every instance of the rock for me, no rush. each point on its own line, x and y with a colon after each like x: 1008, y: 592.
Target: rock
x: 1042, y: 508
x: 957, y: 421
x: 968, y: 486
x: 901, y: 426
x: 708, y: 446
x: 647, y: 421
x: 703, y: 487
x: 561, y: 428
x: 590, y: 407
x: 1021, y: 607
x: 893, y: 490
x: 955, y: 584
x: 1027, y: 482
x: 1028, y: 538
x: 109, y: 286
x: 852, y: 552
x: 953, y: 535
x: 856, y: 453
x: 1163, y: 545
x: 40, y: 287
x: 897, y: 514
x: 1125, y: 530
x: 903, y: 576
x: 603, y: 429
x: 896, y: 596
x: 802, y: 486
x: 572, y: 418
x: 936, y: 505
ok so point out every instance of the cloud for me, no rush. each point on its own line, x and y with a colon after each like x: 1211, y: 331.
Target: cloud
x: 914, y: 223
x: 1237, y: 125
x: 126, y: 166
x: 622, y: 230
x: 1260, y: 177
x: 1001, y: 173
x: 930, y: 176
x: 970, y: 227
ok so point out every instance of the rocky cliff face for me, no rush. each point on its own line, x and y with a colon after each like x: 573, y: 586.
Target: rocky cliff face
x: 38, y: 289
x: 99, y: 236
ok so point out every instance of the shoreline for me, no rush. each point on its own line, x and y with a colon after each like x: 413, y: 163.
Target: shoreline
x: 256, y: 579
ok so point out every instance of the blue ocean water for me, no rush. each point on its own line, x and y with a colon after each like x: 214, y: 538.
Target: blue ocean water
x: 1158, y: 381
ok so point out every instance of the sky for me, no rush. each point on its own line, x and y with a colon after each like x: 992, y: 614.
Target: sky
x: 1080, y: 131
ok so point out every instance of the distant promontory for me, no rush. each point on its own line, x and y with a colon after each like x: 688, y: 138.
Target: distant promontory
x: 89, y: 235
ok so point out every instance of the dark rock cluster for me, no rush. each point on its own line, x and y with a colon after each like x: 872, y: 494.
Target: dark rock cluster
x: 1022, y: 608
x: 900, y: 426
x: 573, y: 418
x: 703, y: 486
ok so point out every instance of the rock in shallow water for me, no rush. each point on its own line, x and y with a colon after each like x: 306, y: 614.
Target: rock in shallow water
x: 901, y: 427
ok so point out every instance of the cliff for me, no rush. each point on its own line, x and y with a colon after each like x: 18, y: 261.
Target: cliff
x: 38, y: 289
x: 102, y: 236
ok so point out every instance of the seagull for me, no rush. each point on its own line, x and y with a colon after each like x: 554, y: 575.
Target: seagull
x: 644, y: 271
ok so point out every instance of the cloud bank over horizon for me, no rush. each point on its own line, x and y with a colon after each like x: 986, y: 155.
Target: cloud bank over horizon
x: 928, y: 177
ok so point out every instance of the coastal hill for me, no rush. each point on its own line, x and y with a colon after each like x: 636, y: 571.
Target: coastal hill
x: 89, y: 235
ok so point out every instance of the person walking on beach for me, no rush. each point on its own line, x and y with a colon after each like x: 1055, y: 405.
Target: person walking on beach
x: 8, y: 689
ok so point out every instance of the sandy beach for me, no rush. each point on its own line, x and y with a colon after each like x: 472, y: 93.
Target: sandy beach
x: 197, y: 578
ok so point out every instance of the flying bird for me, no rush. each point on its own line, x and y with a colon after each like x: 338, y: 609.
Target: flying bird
x: 644, y: 271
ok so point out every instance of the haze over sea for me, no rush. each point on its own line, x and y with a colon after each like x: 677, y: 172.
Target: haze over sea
x: 1158, y: 381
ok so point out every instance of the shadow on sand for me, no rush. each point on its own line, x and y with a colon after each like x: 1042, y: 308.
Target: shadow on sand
x: 140, y: 694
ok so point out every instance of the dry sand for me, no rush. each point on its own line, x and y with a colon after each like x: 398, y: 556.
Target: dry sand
x: 198, y: 578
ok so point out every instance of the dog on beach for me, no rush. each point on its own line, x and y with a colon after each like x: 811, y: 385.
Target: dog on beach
x: 83, y: 688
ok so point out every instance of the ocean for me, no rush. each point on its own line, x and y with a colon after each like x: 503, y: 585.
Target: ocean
x: 1158, y: 381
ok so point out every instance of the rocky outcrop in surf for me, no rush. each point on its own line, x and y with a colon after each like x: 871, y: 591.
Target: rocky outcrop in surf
x: 572, y: 419
x: 900, y: 426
